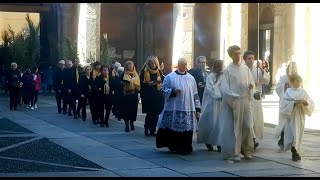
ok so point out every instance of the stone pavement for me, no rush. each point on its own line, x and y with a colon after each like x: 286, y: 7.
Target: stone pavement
x: 44, y: 143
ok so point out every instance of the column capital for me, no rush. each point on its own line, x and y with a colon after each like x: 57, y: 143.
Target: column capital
x: 189, y: 4
x: 278, y: 8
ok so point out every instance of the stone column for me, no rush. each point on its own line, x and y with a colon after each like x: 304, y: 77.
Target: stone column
x: 148, y: 31
x: 277, y: 41
x: 233, y: 30
x: 244, y: 26
x: 89, y: 32
x: 183, y: 23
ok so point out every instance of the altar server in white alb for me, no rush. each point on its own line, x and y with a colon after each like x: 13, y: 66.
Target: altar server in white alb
x: 261, y: 77
x: 281, y: 87
x: 208, y: 127
x: 178, y: 120
x: 236, y: 122
x: 295, y: 104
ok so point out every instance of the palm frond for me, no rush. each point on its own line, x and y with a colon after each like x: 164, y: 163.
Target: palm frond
x: 5, y: 36
x: 70, y: 51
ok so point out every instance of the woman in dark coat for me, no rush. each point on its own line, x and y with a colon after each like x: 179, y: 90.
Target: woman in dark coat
x: 28, y: 87
x: 104, y: 96
x: 85, y: 92
x: 93, y: 95
x: 131, y: 87
x: 151, y: 79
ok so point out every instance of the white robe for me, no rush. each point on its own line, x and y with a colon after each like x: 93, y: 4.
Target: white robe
x: 280, y: 90
x: 208, y: 127
x: 179, y: 112
x: 256, y: 105
x: 294, y: 116
x: 236, y: 121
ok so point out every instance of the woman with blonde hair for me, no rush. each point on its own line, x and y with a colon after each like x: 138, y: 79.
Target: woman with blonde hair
x: 151, y: 79
x: 130, y: 87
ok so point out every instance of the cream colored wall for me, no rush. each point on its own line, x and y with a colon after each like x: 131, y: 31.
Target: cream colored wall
x: 17, y: 20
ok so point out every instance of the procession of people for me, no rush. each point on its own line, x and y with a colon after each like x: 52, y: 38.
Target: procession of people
x: 223, y: 105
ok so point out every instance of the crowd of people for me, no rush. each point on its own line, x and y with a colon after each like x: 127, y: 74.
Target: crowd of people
x: 224, y: 106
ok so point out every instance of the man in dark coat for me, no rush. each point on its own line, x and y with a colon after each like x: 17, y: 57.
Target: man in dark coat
x: 14, y: 84
x: 58, y: 83
x: 200, y: 74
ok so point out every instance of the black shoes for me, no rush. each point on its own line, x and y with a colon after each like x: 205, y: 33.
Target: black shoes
x: 255, y: 145
x: 219, y: 148
x: 127, y: 128
x: 131, y: 125
x: 209, y: 147
x: 295, y: 155
x: 146, y: 132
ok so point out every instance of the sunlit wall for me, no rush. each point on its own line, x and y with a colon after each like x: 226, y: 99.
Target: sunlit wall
x: 82, y: 30
x: 230, y: 28
x: 306, y: 47
x: 178, y: 34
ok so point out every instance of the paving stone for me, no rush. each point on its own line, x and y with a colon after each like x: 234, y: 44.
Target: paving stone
x: 124, y: 163
x: 46, y: 151
x: 8, y: 125
x: 212, y: 174
x: 267, y: 172
x: 153, y: 172
x: 150, y: 153
x: 132, y: 146
x: 102, y: 173
x: 7, y: 141
x: 15, y: 166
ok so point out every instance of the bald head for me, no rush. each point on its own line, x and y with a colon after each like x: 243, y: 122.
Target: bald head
x: 182, y: 65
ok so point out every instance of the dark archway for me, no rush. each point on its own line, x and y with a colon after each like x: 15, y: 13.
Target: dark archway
x: 207, y: 30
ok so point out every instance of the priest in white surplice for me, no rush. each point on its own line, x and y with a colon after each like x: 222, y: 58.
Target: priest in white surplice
x: 260, y: 77
x: 178, y: 119
x: 295, y: 104
x: 236, y: 121
x: 208, y: 127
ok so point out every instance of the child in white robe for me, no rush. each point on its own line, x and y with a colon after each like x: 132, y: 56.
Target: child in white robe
x: 208, y: 127
x: 295, y: 104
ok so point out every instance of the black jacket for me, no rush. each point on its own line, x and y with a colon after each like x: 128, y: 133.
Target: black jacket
x: 58, y: 76
x: 85, y: 85
x: 151, y: 98
x: 99, y: 83
x: 198, y: 76
x: 13, y: 78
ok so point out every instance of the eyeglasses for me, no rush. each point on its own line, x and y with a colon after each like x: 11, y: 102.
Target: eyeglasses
x: 152, y: 57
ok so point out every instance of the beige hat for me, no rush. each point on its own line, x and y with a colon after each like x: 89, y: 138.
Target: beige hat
x: 62, y: 62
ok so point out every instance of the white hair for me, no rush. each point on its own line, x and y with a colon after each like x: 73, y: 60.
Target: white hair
x: 14, y: 64
x: 117, y: 65
x: 68, y: 62
x: 182, y: 60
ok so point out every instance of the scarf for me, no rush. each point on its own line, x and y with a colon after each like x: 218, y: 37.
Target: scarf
x: 95, y: 74
x: 134, y: 80
x: 147, y: 79
x: 106, y: 87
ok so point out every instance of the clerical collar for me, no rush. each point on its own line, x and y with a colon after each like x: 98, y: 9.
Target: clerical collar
x: 180, y: 73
